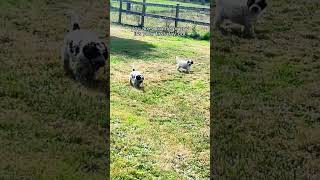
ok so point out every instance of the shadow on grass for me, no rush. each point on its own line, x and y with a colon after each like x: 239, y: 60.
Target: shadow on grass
x: 141, y: 89
x: 194, y: 2
x: 98, y: 85
x: 260, y: 34
x: 131, y: 48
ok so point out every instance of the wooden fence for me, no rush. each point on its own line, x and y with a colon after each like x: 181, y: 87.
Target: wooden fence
x: 143, y: 13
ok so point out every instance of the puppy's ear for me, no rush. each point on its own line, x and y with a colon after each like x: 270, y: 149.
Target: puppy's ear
x: 263, y: 4
x: 250, y: 2
x: 105, y: 51
x: 71, y: 46
x: 90, y: 51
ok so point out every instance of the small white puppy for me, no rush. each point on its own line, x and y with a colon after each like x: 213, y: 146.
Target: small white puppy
x: 183, y: 65
x: 136, y: 78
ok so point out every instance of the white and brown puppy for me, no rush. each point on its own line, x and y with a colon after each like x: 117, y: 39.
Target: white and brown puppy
x: 83, y: 53
x: 136, y: 78
x: 183, y: 65
x: 243, y: 12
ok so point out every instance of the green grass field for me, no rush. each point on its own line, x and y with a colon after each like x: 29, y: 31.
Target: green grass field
x: 51, y: 127
x: 266, y: 93
x: 163, y: 131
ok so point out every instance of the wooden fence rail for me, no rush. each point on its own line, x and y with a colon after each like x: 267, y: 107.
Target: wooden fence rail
x: 143, y: 13
x: 165, y: 5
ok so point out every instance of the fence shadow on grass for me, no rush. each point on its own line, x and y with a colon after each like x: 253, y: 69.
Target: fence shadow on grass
x: 98, y: 85
x: 131, y: 48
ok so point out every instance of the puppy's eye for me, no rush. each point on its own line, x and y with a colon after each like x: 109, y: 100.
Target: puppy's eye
x: 77, y: 50
x: 255, y: 9
x: 71, y: 46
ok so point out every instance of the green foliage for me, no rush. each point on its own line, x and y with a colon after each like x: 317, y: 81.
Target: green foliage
x: 195, y: 34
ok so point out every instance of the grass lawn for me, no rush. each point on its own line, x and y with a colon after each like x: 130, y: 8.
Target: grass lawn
x: 50, y: 126
x: 163, y: 131
x: 266, y: 94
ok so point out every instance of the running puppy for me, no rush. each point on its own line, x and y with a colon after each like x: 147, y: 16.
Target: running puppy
x: 136, y: 78
x: 183, y: 65
x: 83, y: 53
x: 243, y: 12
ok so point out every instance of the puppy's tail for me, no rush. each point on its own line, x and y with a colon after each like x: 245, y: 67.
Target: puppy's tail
x: 132, y: 67
x: 75, y: 22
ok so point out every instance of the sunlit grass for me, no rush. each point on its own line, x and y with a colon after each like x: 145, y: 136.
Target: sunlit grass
x: 163, y: 131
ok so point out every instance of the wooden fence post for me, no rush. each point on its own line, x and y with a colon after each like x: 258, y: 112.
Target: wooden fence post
x: 143, y: 13
x: 177, y: 16
x: 120, y: 11
x: 128, y: 6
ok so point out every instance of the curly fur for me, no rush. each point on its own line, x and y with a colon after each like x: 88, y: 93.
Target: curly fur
x: 83, y: 53
x: 184, y: 65
x: 243, y: 12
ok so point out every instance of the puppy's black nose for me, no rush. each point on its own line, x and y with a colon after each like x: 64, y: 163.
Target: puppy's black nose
x: 91, y: 51
x: 100, y: 62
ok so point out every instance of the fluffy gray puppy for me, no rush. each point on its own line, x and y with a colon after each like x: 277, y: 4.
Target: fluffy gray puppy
x: 243, y: 12
x: 83, y: 53
x: 183, y: 64
x: 136, y: 78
